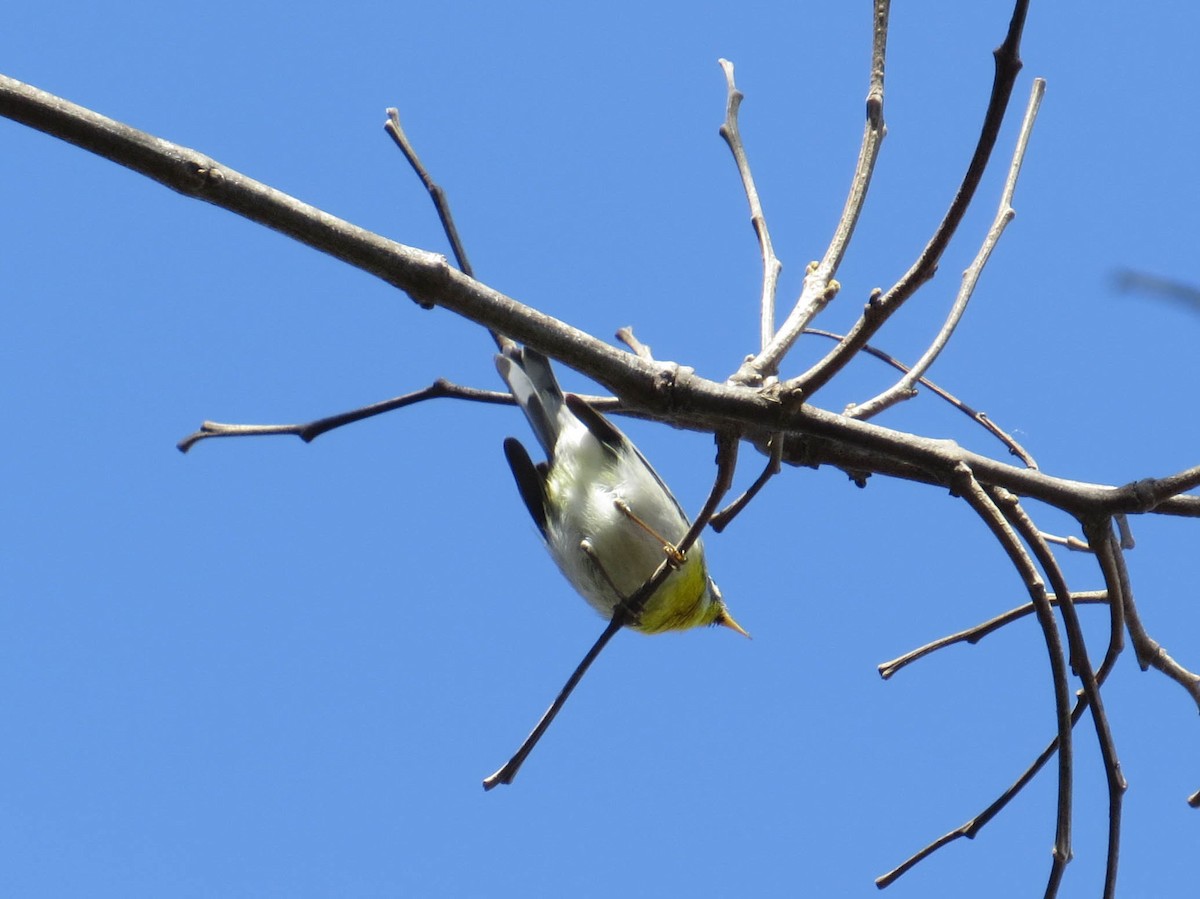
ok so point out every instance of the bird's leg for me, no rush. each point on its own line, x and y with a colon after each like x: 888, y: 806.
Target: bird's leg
x: 674, y: 555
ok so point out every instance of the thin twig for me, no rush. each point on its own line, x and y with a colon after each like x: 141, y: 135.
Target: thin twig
x: 508, y: 771
x: 310, y: 431
x: 641, y: 350
x: 1116, y: 585
x: 879, y: 309
x: 903, y: 389
x: 970, y: 829
x: 1071, y: 542
x: 771, y: 264
x: 628, y: 610
x: 973, y: 635
x: 819, y: 284
x: 983, y: 504
x: 722, y: 519
x: 440, y: 203
x: 981, y: 418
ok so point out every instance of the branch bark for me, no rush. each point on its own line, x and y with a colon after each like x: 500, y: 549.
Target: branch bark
x: 664, y: 391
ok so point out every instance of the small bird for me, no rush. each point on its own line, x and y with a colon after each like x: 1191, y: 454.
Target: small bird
x: 606, y: 516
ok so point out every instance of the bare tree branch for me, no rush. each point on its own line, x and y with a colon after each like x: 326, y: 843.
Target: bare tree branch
x: 984, y: 505
x: 973, y: 635
x: 980, y: 418
x: 819, y: 285
x: 1150, y: 654
x: 880, y: 309
x: 754, y: 406
x: 440, y: 203
x: 660, y: 390
x: 722, y: 519
x: 1082, y: 666
x: 310, y: 431
x: 903, y: 389
x: 771, y: 265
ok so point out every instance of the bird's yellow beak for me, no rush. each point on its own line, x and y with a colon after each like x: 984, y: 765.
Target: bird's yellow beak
x: 726, y: 620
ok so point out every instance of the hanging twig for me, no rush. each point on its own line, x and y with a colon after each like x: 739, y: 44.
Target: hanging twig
x: 977, y: 497
x: 1082, y: 666
x: 1116, y: 587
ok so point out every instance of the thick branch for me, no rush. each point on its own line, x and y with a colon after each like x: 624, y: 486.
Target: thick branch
x: 662, y: 390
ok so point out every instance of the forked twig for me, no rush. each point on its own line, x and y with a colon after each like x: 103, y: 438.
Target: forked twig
x: 627, y: 611
x: 977, y: 497
x: 903, y: 389
x: 819, y: 285
x: 310, y: 431
x: 970, y: 829
x: 722, y: 519
x: 1116, y: 585
x: 880, y: 308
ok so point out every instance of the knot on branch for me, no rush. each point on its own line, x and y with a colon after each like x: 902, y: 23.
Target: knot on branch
x: 203, y: 178
x: 961, y: 479
x: 432, y: 282
x: 669, y: 381
x: 1140, y: 496
x: 748, y: 374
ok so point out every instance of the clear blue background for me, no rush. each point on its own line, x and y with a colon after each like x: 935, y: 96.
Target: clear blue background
x: 271, y: 669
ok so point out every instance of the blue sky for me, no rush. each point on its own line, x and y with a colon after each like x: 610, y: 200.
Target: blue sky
x: 271, y: 669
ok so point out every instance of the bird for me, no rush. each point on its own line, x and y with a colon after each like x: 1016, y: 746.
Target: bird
x: 606, y: 517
